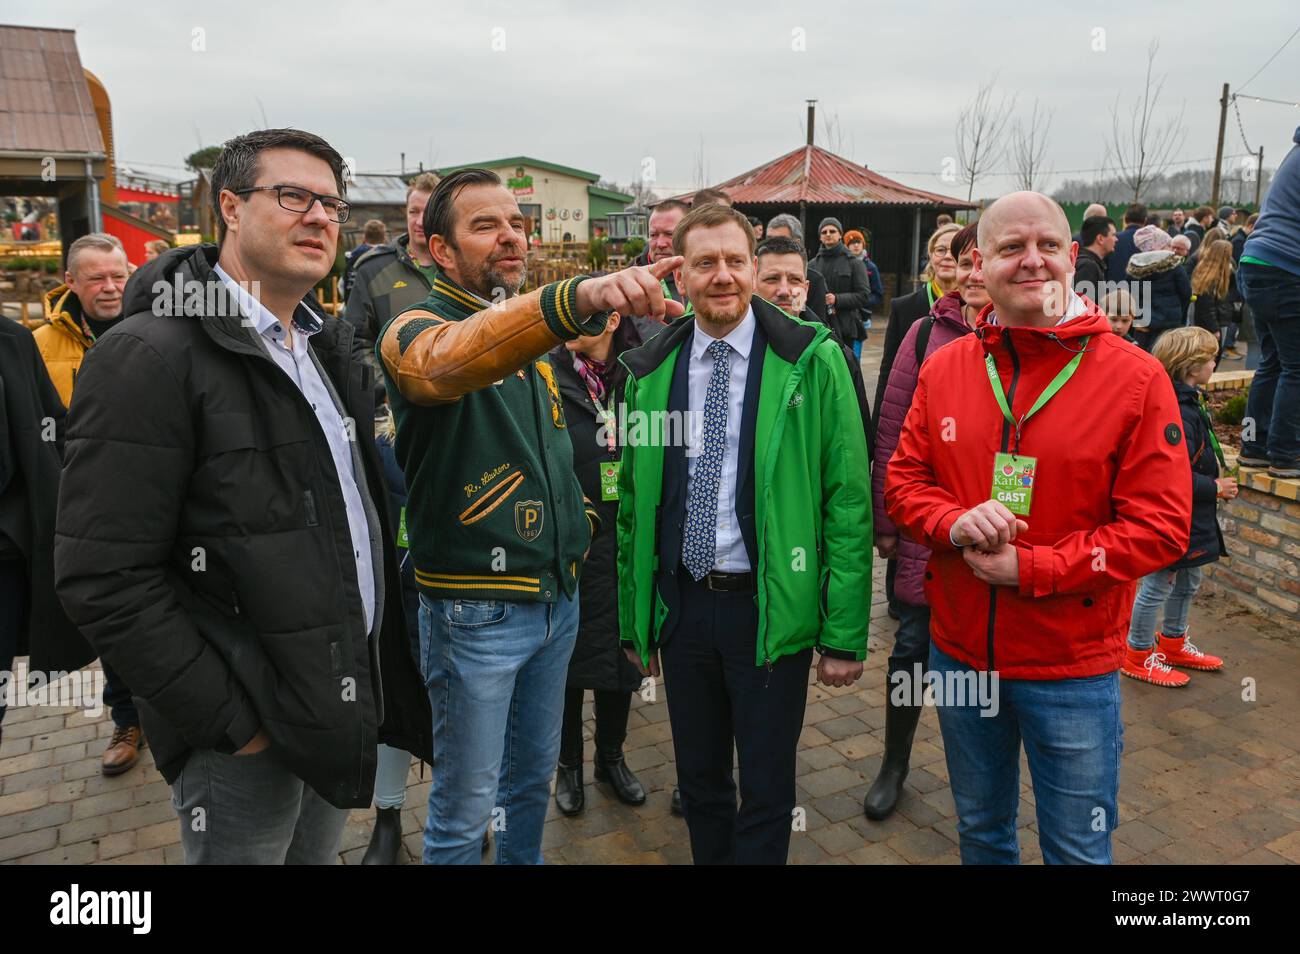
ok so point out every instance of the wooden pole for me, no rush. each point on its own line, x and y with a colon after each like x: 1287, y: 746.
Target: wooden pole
x: 1218, y: 152
x: 1259, y: 177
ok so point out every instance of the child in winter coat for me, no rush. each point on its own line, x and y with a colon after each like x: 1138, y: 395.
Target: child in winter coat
x: 1188, y: 355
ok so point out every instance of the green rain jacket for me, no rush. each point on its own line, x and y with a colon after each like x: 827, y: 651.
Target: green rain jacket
x: 812, y: 492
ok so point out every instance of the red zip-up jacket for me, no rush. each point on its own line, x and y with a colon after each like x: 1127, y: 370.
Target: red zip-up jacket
x: 1111, y: 499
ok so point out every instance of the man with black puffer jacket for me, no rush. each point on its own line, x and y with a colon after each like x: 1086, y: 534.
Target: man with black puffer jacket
x: 222, y: 536
x: 848, y: 285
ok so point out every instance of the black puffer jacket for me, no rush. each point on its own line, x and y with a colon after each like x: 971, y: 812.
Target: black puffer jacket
x: 1206, y: 542
x: 847, y: 279
x: 598, y: 662
x: 1212, y: 312
x: 200, y: 535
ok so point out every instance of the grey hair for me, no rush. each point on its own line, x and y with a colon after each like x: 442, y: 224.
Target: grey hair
x: 787, y: 221
x: 99, y: 241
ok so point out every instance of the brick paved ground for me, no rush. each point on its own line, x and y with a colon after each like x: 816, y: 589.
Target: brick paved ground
x: 1207, y: 777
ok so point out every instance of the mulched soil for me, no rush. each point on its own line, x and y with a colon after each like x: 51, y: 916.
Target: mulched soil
x: 1229, y: 434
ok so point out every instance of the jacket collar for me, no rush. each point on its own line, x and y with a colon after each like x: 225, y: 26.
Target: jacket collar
x: 1091, y: 321
x: 455, y: 301
x: 163, y: 287
x: 788, y: 337
x: 62, y: 308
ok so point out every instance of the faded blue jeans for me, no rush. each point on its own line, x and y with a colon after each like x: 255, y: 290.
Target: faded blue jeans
x: 1171, y: 589
x: 496, y: 672
x: 1073, y: 737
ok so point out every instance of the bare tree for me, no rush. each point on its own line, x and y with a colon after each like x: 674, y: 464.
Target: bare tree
x: 1139, y: 148
x: 980, y: 128
x: 1029, y: 148
x: 834, y: 133
x: 701, y: 167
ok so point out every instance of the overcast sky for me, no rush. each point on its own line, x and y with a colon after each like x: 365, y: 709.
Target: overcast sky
x: 600, y: 86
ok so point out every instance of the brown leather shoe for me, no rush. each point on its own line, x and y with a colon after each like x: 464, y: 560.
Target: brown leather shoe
x: 123, y: 750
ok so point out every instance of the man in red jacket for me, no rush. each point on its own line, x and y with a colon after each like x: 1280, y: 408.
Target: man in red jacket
x: 1042, y: 463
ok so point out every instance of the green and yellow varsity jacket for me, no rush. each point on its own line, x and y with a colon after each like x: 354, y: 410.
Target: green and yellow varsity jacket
x: 493, y: 510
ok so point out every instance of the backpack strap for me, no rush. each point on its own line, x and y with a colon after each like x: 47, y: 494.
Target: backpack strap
x: 923, y: 338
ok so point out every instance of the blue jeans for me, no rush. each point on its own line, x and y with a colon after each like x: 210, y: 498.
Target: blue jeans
x: 912, y: 641
x: 1273, y: 295
x: 1172, y: 589
x: 1073, y: 737
x: 496, y: 672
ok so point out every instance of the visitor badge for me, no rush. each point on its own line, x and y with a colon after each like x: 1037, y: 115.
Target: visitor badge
x: 1013, y: 482
x: 609, y: 479
x: 402, y: 540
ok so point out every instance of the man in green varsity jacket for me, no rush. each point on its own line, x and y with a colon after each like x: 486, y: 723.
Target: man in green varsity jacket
x: 494, y: 515
x: 740, y: 554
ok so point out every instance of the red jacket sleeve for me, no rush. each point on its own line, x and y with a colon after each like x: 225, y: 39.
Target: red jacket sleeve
x: 1152, y: 500
x: 913, y: 499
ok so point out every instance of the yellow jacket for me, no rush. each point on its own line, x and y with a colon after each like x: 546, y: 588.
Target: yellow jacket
x: 61, y: 340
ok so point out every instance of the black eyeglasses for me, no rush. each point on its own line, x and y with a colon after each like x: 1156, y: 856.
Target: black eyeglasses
x: 300, y: 200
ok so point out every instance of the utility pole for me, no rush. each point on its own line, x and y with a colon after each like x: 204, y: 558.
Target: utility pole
x: 1259, y: 177
x: 403, y: 164
x: 1218, y: 152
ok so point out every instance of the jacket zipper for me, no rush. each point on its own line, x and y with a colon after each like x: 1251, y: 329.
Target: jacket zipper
x: 1006, y: 441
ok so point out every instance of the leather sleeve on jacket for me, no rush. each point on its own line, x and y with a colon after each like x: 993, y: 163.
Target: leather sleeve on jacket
x: 130, y: 453
x: 436, y: 361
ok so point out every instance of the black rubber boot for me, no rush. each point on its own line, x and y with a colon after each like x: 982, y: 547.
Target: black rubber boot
x: 676, y: 804
x: 900, y: 727
x: 570, y: 795
x: 385, y: 839
x: 614, y: 771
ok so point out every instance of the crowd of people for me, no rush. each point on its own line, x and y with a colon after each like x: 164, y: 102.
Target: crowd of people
x: 672, y: 471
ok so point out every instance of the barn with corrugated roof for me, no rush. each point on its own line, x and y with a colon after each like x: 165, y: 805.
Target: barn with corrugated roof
x: 811, y: 183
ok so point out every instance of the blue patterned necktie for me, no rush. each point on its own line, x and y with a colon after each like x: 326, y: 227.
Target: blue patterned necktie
x: 699, y: 542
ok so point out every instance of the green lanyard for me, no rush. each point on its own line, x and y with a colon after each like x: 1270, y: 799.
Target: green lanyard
x: 1209, y: 427
x: 929, y: 292
x: 1048, y: 392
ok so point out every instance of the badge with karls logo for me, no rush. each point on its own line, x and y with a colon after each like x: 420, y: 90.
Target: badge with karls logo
x: 528, y: 519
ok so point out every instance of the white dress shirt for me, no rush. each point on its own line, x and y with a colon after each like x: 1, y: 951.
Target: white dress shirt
x: 731, y: 555
x: 294, y: 358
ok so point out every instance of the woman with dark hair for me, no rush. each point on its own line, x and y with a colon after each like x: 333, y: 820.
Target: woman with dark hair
x: 590, y: 379
x: 952, y: 315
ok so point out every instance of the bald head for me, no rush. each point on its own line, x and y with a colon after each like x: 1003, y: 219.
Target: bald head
x: 1027, y: 257
x: 1095, y: 209
x: 1018, y: 206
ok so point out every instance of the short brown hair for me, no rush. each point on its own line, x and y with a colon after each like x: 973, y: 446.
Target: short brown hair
x: 238, y: 165
x: 374, y: 232
x: 424, y: 182
x: 707, y: 216
x: 705, y: 196
x: 668, y: 205
x: 1201, y: 211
